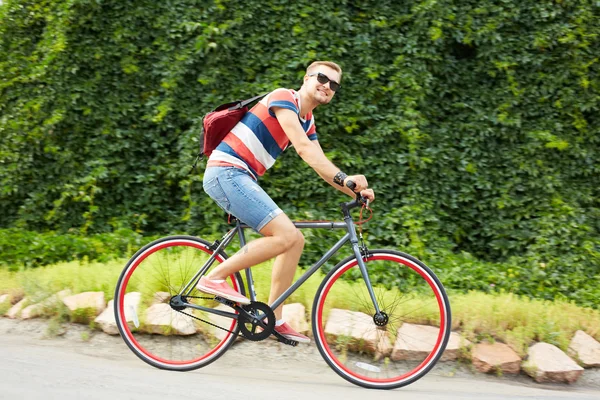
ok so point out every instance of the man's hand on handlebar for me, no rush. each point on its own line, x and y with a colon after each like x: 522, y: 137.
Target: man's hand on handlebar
x: 359, y: 180
x: 368, y: 194
x: 359, y: 185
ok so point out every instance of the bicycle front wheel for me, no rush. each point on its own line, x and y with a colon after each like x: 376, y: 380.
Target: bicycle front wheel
x: 396, y: 347
x: 168, y: 336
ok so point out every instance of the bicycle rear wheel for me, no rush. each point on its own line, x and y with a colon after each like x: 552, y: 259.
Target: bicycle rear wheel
x: 163, y: 335
x: 396, y: 349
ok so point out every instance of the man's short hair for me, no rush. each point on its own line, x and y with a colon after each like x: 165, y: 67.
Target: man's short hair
x: 329, y: 64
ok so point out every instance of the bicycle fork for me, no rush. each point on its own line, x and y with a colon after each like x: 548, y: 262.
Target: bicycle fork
x: 361, y: 265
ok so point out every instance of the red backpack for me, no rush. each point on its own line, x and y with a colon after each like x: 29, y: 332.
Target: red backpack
x: 218, y: 123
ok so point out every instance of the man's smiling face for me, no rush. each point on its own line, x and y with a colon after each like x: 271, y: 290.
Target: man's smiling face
x: 321, y: 92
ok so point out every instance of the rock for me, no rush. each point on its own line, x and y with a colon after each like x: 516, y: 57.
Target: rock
x: 86, y: 300
x: 16, y: 309
x: 107, y: 321
x: 455, y: 343
x: 415, y: 342
x: 37, y: 310
x: 586, y: 349
x: 161, y: 319
x: 295, y: 315
x: 547, y: 363
x: 358, y: 331
x: 498, y: 356
x: 32, y: 311
x: 4, y: 298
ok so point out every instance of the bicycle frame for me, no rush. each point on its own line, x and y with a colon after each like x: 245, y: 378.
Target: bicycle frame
x: 349, y: 236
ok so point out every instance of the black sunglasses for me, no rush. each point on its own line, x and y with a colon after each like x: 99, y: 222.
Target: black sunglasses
x: 323, y: 79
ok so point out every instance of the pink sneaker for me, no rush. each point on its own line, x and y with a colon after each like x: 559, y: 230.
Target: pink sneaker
x: 221, y: 289
x: 287, y: 332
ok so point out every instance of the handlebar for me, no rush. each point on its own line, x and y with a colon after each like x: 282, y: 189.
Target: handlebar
x: 360, y: 199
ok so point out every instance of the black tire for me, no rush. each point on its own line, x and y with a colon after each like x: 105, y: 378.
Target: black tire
x: 182, y: 343
x: 378, y: 357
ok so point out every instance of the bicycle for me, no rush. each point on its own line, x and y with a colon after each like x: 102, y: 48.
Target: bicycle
x: 361, y: 329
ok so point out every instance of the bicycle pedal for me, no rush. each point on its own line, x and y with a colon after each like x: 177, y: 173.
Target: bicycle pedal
x: 281, y: 339
x: 289, y: 342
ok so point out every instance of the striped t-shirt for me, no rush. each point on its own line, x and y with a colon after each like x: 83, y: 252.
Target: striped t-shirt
x: 258, y: 139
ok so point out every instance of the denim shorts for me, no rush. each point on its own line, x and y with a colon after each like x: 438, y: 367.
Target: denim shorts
x: 236, y: 192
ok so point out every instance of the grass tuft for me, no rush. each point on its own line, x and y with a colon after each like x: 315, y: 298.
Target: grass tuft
x: 520, y: 321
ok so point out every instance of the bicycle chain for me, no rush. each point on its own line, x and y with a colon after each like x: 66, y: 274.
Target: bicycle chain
x: 279, y: 337
x: 200, y: 319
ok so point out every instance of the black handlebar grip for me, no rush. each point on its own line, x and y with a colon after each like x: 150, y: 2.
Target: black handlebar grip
x: 351, y: 185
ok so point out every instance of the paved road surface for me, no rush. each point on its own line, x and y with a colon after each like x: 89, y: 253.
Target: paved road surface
x: 76, y: 366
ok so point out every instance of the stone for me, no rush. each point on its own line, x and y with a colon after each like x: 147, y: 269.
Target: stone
x: 4, y: 297
x: 163, y: 320
x: 455, y: 343
x: 415, y: 342
x: 548, y: 363
x: 488, y: 357
x: 107, y: 320
x: 585, y: 349
x: 358, y: 331
x: 86, y: 300
x: 15, y: 310
x: 295, y: 315
x: 37, y: 310
x: 32, y: 311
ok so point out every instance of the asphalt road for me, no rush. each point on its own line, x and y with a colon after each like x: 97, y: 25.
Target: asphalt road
x: 78, y: 366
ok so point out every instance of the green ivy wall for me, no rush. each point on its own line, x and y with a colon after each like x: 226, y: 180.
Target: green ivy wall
x: 476, y: 122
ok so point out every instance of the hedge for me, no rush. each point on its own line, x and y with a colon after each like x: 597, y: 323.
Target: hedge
x: 475, y: 122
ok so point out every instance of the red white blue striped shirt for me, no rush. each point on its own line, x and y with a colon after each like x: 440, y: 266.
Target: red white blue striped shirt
x: 258, y: 139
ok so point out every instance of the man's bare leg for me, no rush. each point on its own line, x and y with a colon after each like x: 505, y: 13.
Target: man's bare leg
x: 283, y: 272
x: 280, y: 235
x: 282, y: 239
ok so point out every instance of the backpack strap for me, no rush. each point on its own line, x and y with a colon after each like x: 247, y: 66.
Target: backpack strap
x: 244, y: 103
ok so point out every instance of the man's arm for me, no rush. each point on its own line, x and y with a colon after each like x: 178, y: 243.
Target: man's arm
x: 344, y: 189
x: 311, y: 152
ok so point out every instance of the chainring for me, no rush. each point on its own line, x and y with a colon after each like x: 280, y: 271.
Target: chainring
x: 250, y: 325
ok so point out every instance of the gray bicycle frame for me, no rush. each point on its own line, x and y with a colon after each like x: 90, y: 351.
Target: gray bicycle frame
x: 238, y: 230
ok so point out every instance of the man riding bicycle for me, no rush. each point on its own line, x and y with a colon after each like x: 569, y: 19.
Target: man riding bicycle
x: 282, y: 118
